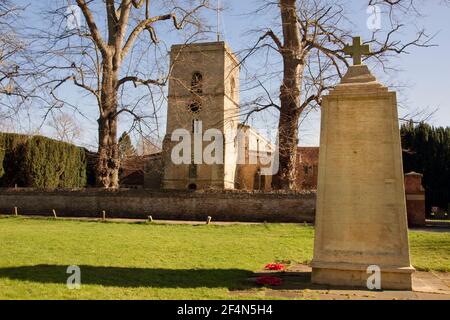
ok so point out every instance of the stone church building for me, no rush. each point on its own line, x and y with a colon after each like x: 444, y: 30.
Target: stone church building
x: 204, y: 95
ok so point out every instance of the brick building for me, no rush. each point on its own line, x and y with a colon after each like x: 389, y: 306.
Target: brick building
x: 307, y: 167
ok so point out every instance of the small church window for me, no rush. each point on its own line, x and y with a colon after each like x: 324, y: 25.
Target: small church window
x: 195, y: 107
x: 197, y: 83
x: 306, y: 170
x: 193, y: 171
x: 192, y: 187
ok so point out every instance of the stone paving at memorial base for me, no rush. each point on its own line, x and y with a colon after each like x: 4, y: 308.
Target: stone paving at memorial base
x: 297, y: 285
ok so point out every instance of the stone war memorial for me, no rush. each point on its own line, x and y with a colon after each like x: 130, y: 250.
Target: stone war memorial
x: 361, y: 212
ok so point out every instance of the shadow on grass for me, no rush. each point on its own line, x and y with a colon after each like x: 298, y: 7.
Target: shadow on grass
x: 233, y: 279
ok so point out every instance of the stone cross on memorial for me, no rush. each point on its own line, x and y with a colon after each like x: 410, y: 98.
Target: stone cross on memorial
x: 357, y: 50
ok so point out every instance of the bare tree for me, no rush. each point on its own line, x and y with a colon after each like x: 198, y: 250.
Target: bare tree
x: 65, y: 127
x: 310, y: 41
x: 12, y: 53
x: 404, y: 4
x: 147, y: 146
x: 10, y: 46
x: 99, y: 60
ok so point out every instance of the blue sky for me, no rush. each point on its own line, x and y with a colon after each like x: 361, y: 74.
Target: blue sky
x: 424, y: 73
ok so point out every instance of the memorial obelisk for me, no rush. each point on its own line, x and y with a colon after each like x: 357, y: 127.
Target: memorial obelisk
x: 361, y: 212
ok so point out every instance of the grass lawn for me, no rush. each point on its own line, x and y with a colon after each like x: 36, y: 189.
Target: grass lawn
x: 140, y: 261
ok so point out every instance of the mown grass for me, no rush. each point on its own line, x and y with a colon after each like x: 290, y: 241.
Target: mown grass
x: 430, y: 250
x: 140, y: 261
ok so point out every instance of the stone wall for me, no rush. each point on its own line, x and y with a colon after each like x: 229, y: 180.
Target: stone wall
x: 163, y: 205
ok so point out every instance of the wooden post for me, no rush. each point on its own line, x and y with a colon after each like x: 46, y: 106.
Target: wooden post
x: 104, y: 216
x: 16, y: 211
x: 208, y: 221
x: 54, y: 213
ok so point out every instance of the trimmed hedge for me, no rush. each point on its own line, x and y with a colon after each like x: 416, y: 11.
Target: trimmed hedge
x: 427, y: 152
x: 40, y: 162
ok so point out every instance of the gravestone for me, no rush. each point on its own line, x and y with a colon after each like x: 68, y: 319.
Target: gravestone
x: 361, y: 212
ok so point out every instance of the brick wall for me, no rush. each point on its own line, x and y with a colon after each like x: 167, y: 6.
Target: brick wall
x: 307, y: 168
x: 415, y: 199
x: 177, y: 205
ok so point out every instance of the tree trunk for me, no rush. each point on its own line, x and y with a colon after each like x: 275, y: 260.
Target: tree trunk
x: 290, y: 109
x: 108, y: 154
x: 108, y: 165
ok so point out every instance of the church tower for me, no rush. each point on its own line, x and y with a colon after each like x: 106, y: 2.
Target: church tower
x: 203, y: 95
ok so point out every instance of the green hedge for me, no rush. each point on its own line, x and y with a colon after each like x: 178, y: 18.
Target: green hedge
x: 427, y: 151
x: 40, y: 162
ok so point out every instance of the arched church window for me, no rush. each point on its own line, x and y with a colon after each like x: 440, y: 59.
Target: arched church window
x: 233, y: 89
x: 197, y: 83
x: 196, y: 126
